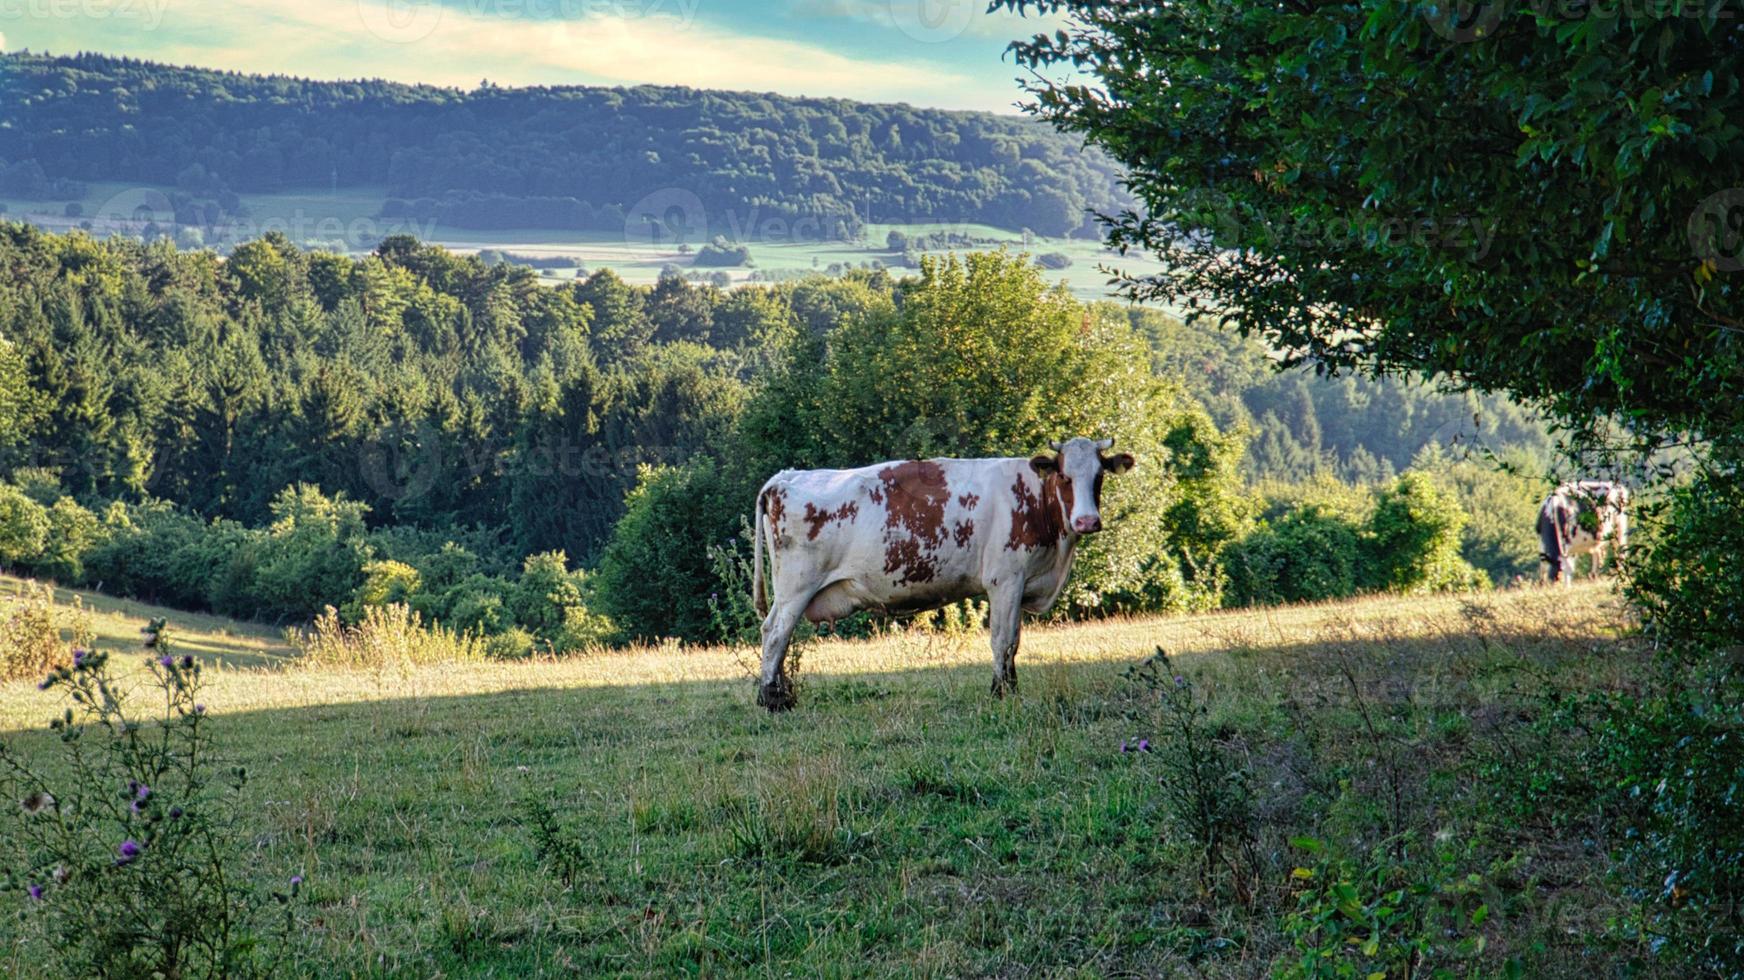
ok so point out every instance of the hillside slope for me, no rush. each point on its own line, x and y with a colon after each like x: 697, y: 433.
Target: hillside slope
x: 661, y: 159
x: 900, y: 820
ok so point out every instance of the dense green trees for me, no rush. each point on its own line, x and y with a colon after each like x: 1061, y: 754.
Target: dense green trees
x: 283, y: 430
x: 748, y: 165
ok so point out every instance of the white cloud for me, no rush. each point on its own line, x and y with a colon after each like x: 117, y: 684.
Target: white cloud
x: 936, y: 20
x: 605, y: 42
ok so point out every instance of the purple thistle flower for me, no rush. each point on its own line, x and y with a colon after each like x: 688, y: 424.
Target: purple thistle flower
x: 296, y: 880
x: 128, y: 851
x: 1180, y: 681
x: 166, y: 661
x: 1144, y: 745
x: 1123, y: 745
x: 45, y: 683
x: 199, y: 709
x: 79, y: 658
x: 138, y: 806
x: 35, y: 893
x: 187, y: 661
x: 142, y: 792
x: 175, y: 813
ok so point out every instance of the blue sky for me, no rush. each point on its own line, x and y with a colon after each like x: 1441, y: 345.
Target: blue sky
x: 941, y: 53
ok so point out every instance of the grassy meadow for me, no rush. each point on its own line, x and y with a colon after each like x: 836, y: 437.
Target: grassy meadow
x: 318, y: 216
x: 900, y: 821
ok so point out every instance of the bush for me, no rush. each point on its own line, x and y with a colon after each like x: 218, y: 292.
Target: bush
x: 1307, y: 555
x: 655, y: 576
x: 385, y: 583
x: 73, y: 532
x: 311, y: 557
x: 1412, y: 543
x: 24, y: 527
x: 30, y: 632
x: 1054, y: 260
x: 720, y: 254
x: 127, y: 855
x: 384, y: 636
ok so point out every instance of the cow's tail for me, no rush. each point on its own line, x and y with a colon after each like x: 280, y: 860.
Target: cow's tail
x: 759, y: 529
x: 1553, y: 549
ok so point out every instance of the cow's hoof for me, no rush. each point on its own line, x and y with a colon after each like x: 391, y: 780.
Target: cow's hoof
x: 1003, y: 686
x: 776, y: 697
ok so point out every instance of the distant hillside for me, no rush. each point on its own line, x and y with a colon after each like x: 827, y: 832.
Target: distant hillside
x: 569, y: 157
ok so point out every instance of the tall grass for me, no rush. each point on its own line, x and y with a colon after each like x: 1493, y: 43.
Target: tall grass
x: 31, y: 627
x: 386, y: 636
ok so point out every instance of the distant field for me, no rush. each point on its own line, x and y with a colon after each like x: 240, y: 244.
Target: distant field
x: 900, y: 822
x: 348, y: 216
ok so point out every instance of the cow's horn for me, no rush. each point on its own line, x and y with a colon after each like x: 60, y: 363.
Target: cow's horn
x: 1105, y: 444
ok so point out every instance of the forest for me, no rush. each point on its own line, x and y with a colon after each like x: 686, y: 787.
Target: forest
x: 569, y: 157
x: 285, y: 430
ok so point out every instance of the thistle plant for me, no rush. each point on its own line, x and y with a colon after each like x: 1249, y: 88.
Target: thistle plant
x: 123, y: 855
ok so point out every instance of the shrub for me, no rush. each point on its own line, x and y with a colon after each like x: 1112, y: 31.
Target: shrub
x: 655, y: 575
x: 1205, y: 791
x: 127, y: 854
x: 30, y: 632
x: 1054, y: 260
x: 1412, y: 542
x: 1384, y: 919
x: 312, y: 556
x: 1307, y: 555
x: 73, y: 531
x: 24, y: 527
x: 720, y: 254
x: 385, y: 583
x: 384, y: 636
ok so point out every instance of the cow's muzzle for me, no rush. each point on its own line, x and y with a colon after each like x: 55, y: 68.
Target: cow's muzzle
x: 1087, y: 525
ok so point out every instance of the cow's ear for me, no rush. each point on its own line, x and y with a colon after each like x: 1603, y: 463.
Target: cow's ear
x: 1044, y: 464
x: 1119, y: 463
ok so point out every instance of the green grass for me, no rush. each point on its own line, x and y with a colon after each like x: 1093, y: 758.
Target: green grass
x: 900, y: 822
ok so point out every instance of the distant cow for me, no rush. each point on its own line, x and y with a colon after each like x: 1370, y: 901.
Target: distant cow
x: 1582, y: 518
x: 913, y: 535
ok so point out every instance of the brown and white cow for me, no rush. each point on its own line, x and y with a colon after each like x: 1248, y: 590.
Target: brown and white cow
x: 1586, y: 517
x: 911, y: 535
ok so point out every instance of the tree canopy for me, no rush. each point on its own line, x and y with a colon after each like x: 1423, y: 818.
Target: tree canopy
x: 1543, y: 199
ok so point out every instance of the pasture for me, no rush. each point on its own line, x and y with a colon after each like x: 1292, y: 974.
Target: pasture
x: 318, y: 217
x: 900, y: 821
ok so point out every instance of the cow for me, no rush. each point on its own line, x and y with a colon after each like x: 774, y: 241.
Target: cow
x: 1585, y: 517
x: 911, y: 535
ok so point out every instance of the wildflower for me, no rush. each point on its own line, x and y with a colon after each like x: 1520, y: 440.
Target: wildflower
x: 79, y: 657
x: 199, y: 709
x: 1123, y: 745
x: 166, y: 661
x: 128, y: 852
x: 1180, y: 681
x: 141, y: 792
x: 35, y: 893
x: 1144, y: 745
x: 175, y: 813
x: 45, y: 683
x: 37, y: 802
x: 296, y: 880
x: 187, y: 661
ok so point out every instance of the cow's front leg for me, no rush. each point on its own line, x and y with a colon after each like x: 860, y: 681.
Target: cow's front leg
x: 1004, y: 622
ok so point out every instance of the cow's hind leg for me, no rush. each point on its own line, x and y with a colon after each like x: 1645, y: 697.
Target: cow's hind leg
x: 1004, y: 624
x: 775, y: 689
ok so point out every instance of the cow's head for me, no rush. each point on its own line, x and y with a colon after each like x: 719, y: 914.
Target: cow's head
x: 1079, y: 465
